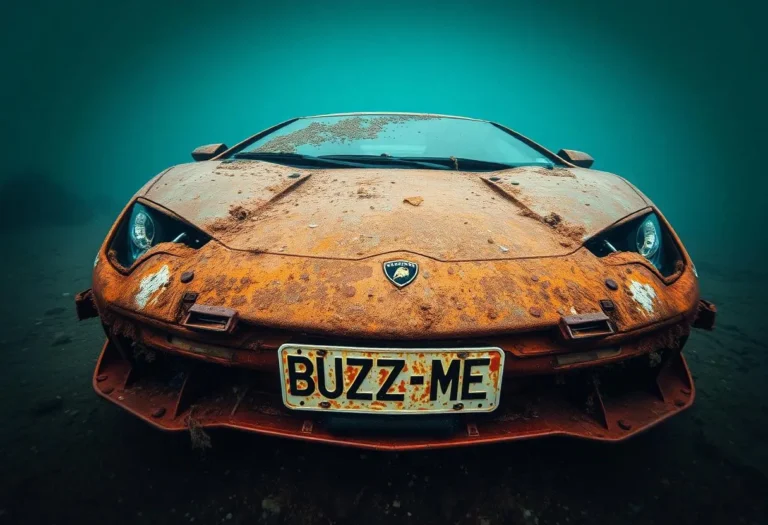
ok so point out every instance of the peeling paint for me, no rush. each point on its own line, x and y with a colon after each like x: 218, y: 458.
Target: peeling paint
x: 151, y: 284
x: 643, y: 294
x: 541, y: 216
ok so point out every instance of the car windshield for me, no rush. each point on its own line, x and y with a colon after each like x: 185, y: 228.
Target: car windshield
x: 395, y: 136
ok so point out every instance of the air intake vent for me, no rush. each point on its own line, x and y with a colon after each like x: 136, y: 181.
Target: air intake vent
x: 210, y: 318
x: 586, y: 326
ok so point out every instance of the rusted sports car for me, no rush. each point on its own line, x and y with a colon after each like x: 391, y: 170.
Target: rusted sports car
x: 394, y: 281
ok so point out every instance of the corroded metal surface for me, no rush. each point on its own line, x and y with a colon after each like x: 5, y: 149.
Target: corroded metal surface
x: 447, y: 299
x: 297, y: 257
x: 529, y: 409
x: 356, y: 213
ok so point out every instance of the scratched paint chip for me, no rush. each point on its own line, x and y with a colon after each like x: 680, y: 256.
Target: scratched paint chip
x: 644, y: 295
x: 151, y: 285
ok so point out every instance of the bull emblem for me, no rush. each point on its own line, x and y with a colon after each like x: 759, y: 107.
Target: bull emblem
x: 401, y: 273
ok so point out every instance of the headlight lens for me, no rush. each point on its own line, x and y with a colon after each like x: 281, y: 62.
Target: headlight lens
x: 141, y: 230
x: 645, y: 236
x: 146, y: 227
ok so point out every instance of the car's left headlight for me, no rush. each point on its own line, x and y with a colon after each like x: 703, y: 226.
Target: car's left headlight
x: 144, y: 227
x: 645, y: 235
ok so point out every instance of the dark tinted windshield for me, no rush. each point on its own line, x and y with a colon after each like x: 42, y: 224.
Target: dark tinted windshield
x: 407, y: 136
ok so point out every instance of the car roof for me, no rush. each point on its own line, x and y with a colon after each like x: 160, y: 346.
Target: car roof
x: 392, y: 113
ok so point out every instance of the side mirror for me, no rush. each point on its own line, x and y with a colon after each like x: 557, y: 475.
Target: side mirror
x: 579, y: 158
x: 208, y: 151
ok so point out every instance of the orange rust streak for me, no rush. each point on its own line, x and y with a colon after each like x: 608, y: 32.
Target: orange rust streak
x: 509, y: 296
x: 495, y: 363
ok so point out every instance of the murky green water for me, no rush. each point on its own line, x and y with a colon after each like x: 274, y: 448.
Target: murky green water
x: 103, y: 96
x: 99, y: 97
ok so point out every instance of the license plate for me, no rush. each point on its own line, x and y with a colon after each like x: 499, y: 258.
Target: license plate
x: 391, y: 380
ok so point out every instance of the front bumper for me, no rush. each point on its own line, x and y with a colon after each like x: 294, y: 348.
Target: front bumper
x: 608, y: 399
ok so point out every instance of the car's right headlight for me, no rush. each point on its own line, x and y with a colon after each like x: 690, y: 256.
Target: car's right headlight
x: 644, y: 235
x: 145, y: 227
x: 141, y: 230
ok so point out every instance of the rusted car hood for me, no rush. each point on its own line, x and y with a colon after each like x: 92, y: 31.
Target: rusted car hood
x: 358, y: 213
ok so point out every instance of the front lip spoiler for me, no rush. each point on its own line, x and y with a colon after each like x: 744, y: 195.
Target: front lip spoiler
x: 114, y: 379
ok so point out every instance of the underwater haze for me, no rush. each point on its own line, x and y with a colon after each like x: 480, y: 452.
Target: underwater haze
x: 98, y: 97
x: 671, y: 95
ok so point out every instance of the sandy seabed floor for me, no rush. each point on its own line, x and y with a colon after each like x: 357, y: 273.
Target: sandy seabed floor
x: 68, y: 457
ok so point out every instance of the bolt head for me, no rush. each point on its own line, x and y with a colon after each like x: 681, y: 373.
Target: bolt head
x: 607, y: 305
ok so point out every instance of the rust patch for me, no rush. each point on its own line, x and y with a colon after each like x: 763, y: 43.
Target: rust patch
x: 238, y: 213
x: 554, y: 172
x: 413, y: 201
x: 364, y: 192
x: 553, y: 219
x: 346, y: 130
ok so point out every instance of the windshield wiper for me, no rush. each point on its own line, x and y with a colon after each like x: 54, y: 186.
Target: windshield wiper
x: 464, y: 164
x: 386, y: 159
x: 295, y: 158
x: 367, y: 161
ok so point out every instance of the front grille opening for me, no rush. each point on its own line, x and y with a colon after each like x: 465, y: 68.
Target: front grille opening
x: 195, y: 390
x: 383, y: 425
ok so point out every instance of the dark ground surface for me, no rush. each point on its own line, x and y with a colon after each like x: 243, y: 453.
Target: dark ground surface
x: 68, y: 457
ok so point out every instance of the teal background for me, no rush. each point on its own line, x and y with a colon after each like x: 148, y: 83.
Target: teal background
x: 103, y: 95
x: 99, y: 96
